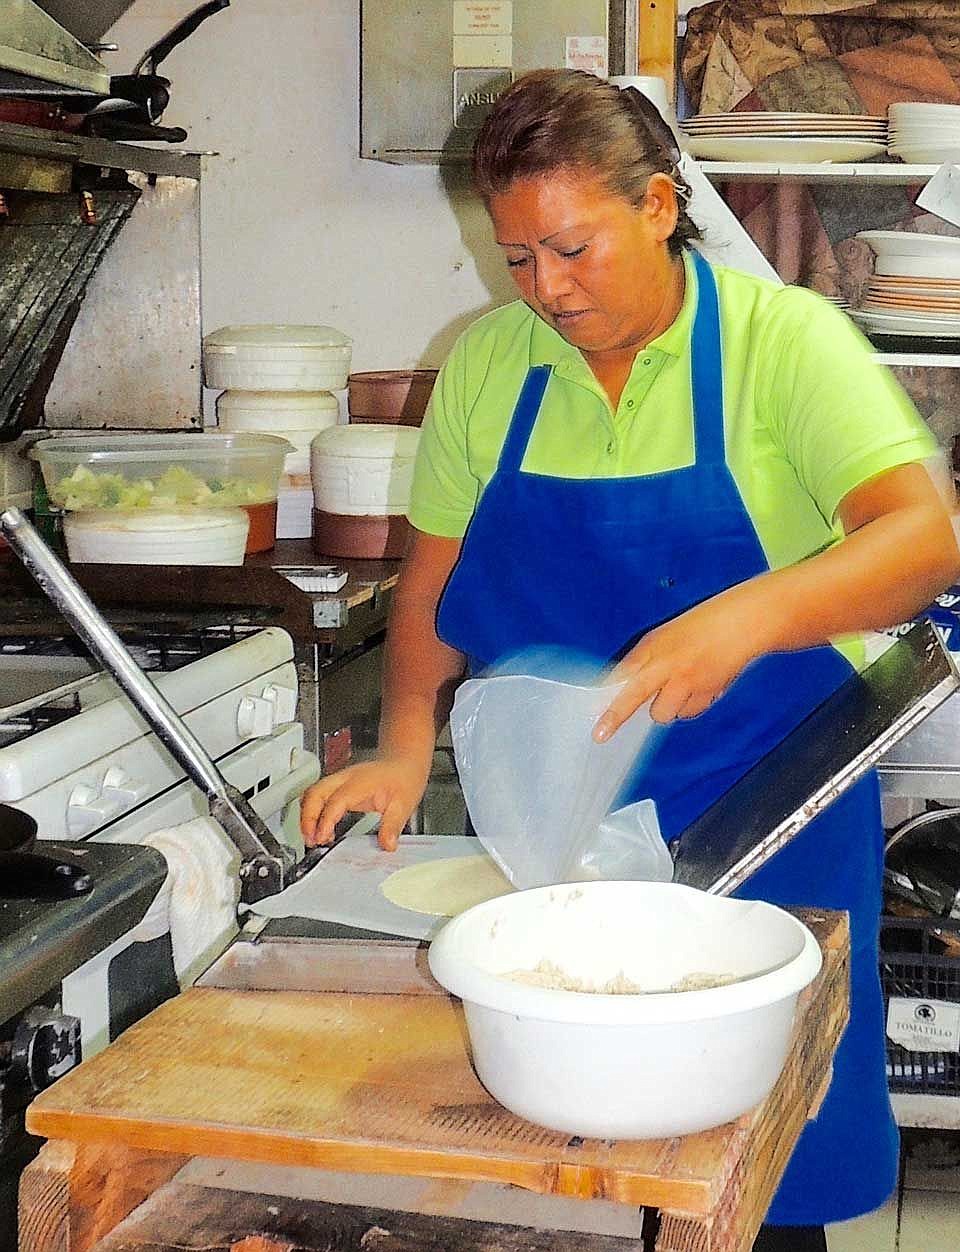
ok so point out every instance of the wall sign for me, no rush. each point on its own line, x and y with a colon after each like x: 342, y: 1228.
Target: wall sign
x: 482, y: 17
x: 587, y: 52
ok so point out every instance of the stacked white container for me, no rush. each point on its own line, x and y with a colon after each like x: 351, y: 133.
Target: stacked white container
x: 279, y: 380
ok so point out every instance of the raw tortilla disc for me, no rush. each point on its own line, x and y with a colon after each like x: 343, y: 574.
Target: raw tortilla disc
x: 446, y: 888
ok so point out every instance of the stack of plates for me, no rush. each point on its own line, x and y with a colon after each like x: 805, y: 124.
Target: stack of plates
x: 838, y: 302
x: 925, y: 134
x: 915, y: 288
x: 794, y: 137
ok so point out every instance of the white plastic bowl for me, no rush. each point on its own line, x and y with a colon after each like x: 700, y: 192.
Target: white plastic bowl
x: 276, y: 412
x: 277, y: 358
x: 363, y: 470
x: 151, y: 537
x: 634, y: 1066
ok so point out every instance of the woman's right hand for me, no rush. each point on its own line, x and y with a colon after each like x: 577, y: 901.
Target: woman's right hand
x: 390, y: 786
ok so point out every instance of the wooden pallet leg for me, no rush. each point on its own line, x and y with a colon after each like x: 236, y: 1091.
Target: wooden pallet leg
x: 75, y: 1193
x: 687, y: 1234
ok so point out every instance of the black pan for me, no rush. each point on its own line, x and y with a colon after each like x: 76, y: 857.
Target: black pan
x: 27, y: 872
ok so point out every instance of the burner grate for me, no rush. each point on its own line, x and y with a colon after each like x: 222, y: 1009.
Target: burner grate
x: 154, y: 650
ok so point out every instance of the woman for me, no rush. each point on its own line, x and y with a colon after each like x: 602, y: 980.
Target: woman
x: 655, y: 462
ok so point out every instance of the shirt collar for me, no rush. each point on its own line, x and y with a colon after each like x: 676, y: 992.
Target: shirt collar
x: 548, y: 347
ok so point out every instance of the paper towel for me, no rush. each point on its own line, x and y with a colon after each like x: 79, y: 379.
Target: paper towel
x: 203, y: 887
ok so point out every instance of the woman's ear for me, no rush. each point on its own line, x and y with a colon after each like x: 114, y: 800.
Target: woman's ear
x: 660, y: 206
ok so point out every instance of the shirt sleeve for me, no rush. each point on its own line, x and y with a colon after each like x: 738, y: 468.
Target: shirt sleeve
x: 444, y: 492
x: 841, y: 417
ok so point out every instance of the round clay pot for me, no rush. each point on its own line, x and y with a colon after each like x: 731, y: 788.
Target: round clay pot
x: 390, y: 395
x: 363, y: 537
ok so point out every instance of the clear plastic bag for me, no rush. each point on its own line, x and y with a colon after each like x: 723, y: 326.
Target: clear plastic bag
x: 627, y: 844
x: 536, y: 785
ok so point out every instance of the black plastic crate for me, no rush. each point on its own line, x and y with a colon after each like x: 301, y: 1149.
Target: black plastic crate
x: 920, y: 960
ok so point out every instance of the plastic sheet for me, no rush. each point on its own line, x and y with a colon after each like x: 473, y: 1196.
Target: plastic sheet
x: 537, y: 786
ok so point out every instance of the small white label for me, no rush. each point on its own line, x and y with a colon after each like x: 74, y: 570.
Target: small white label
x: 482, y: 17
x: 942, y: 194
x: 587, y: 52
x: 482, y: 51
x: 924, y: 1025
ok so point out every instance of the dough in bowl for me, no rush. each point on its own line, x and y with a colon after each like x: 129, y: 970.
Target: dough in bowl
x: 447, y: 887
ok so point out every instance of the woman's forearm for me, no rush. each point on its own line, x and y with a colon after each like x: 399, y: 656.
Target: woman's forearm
x: 883, y: 572
x: 420, y: 672
x: 898, y: 554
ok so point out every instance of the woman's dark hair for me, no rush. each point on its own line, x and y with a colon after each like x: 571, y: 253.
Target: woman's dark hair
x: 551, y: 120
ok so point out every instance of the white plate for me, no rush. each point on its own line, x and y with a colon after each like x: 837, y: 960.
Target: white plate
x: 754, y: 121
x: 789, y: 117
x: 894, y: 324
x: 883, y: 285
x: 922, y: 109
x: 791, y: 132
x: 926, y: 156
x: 918, y: 266
x: 759, y: 148
x: 886, y: 243
x: 941, y: 137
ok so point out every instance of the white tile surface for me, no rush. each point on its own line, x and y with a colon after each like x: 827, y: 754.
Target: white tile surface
x: 877, y: 1232
x: 930, y: 1221
x: 933, y: 1163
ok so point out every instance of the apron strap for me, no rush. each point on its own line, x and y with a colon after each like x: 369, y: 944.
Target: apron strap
x: 524, y: 416
x: 707, y: 369
x: 706, y: 385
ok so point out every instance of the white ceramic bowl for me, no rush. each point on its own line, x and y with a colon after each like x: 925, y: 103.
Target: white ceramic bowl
x: 628, y: 1066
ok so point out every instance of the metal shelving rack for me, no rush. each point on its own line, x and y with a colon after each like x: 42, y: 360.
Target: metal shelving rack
x: 867, y: 174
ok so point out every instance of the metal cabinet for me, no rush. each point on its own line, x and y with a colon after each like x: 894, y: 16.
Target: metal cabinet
x: 430, y: 70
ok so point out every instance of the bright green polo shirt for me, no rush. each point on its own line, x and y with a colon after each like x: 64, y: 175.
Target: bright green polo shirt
x: 809, y: 415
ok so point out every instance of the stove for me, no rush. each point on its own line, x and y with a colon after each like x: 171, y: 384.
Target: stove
x: 78, y: 758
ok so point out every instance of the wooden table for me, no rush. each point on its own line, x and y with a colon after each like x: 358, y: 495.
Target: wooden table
x: 375, y: 1084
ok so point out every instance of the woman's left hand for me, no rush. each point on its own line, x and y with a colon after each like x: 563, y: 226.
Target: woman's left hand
x: 689, y: 662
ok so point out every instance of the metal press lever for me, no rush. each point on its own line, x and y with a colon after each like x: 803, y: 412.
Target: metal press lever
x: 266, y: 863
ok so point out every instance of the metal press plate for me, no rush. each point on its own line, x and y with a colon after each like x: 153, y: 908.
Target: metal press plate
x: 827, y: 753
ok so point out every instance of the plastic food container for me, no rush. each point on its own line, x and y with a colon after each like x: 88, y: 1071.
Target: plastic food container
x: 168, y: 473
x: 277, y: 358
x: 363, y: 470
x: 276, y: 412
x: 399, y: 396
x: 627, y: 1066
x: 151, y: 537
x: 361, y: 489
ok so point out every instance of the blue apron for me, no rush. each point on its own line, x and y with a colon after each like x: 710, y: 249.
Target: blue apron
x: 591, y: 565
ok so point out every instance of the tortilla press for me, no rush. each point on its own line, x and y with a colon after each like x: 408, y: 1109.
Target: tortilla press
x: 826, y: 754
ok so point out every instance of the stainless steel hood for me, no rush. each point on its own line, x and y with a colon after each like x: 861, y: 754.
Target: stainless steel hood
x: 35, y: 47
x: 89, y: 20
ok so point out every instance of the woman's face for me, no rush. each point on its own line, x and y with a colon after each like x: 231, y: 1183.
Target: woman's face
x: 590, y: 263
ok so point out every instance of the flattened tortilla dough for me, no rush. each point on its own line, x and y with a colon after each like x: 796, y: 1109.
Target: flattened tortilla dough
x: 446, y: 888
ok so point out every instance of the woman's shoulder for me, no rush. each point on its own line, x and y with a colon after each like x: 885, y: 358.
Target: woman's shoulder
x: 772, y: 304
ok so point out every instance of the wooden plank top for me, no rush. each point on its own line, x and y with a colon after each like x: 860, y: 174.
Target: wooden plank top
x: 384, y: 1084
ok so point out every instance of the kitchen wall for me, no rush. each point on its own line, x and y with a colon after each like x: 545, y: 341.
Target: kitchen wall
x: 295, y: 226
